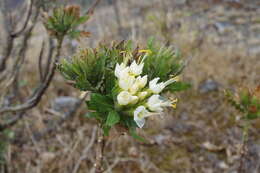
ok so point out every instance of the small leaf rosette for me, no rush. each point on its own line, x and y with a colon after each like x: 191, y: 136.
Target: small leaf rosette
x: 65, y: 21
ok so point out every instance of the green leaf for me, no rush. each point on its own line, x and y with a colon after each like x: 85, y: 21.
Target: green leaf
x: 106, y: 130
x: 251, y: 116
x: 109, y: 82
x: 245, y: 98
x: 128, y: 121
x: 74, y: 34
x: 112, y: 119
x: 100, y: 103
x: 83, y: 84
x: 95, y: 115
x: 82, y: 20
x: 98, y: 69
x: 162, y: 62
x: 178, y: 86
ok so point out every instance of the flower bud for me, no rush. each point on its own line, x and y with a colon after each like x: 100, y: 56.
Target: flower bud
x: 124, y: 98
x: 136, y: 69
x: 119, y: 69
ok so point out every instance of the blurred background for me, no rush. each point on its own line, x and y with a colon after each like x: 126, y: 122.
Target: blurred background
x: 221, y: 39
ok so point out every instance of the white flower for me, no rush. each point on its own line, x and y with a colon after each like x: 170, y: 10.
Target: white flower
x: 156, y: 102
x: 142, y: 95
x: 136, y: 69
x: 170, y: 81
x: 119, y: 69
x: 124, y: 98
x: 126, y: 81
x: 139, y: 83
x: 156, y: 87
x: 139, y: 114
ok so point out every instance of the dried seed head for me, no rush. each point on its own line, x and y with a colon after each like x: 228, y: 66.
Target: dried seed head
x: 73, y: 10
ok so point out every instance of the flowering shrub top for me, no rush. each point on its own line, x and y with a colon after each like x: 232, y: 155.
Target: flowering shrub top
x: 126, y: 84
x: 65, y: 21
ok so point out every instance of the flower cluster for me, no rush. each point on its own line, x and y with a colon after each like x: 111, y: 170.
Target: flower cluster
x: 138, y: 95
x: 127, y: 84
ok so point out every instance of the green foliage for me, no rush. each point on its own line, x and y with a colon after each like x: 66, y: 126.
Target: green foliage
x: 162, y: 62
x: 94, y: 70
x: 102, y: 104
x: 248, y: 103
x: 112, y: 118
x: 65, y: 21
x: 178, y: 86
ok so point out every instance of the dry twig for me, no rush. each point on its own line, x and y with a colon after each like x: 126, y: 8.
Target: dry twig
x: 85, y: 151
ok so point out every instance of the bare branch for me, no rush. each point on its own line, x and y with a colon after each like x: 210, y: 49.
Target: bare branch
x: 36, y: 96
x: 85, y: 151
x: 11, y: 76
x: 39, y: 136
x: 50, y: 55
x: 92, y: 8
x: 11, y: 122
x: 19, y: 32
x: 7, y: 48
x: 40, y: 61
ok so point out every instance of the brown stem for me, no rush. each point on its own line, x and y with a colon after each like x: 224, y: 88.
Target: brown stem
x: 99, y: 152
x: 37, y: 95
x: 243, y: 151
x: 19, y: 32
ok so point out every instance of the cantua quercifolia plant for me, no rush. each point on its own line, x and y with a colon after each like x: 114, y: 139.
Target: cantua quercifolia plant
x: 127, y: 85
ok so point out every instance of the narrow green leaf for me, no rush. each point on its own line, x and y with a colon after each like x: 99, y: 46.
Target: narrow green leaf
x: 112, y: 119
x: 178, y: 86
x: 106, y: 130
x: 100, y: 103
x: 251, y: 116
x: 109, y: 81
x: 95, y: 115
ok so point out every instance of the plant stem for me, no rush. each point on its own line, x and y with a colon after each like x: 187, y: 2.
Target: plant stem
x: 100, y: 151
x: 243, y: 147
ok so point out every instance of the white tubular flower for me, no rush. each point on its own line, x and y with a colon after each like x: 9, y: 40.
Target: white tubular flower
x: 139, y: 83
x: 156, y: 103
x: 139, y: 115
x: 119, y: 69
x: 170, y: 81
x: 156, y: 87
x: 126, y: 81
x: 136, y: 69
x: 142, y: 95
x: 124, y: 98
